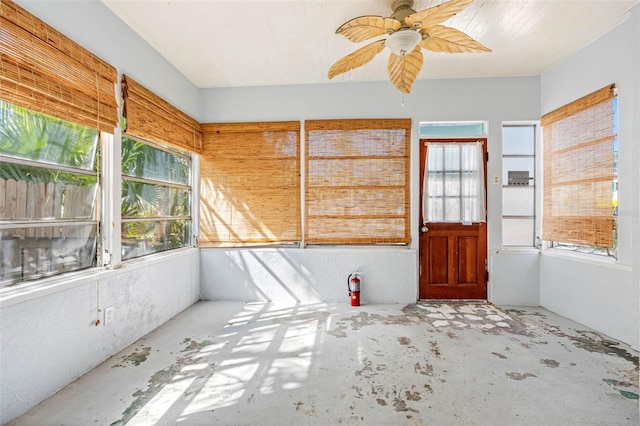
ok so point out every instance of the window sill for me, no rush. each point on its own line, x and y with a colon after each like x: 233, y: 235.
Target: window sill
x: 514, y: 249
x: 30, y: 290
x: 584, y: 257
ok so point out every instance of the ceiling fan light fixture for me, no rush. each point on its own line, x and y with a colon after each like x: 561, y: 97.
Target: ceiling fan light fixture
x: 403, y: 41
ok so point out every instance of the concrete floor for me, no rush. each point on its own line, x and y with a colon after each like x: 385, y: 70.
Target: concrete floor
x: 440, y: 364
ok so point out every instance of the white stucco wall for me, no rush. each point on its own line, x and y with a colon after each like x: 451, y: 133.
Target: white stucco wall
x: 596, y: 293
x: 49, y: 337
x: 308, y: 276
x: 515, y: 277
x: 493, y: 100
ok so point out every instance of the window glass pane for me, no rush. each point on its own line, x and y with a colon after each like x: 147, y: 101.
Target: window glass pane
x: 48, y: 176
x: 39, y: 193
x: 451, y: 129
x: 518, y: 201
x: 35, y: 252
x: 452, y: 158
x: 518, y: 140
x: 142, y: 160
x: 435, y: 211
x: 435, y: 184
x: 518, y: 232
x: 142, y: 238
x: 165, y: 204
x: 34, y: 136
x: 517, y: 164
x: 452, y: 184
x: 462, y: 185
x: 452, y: 210
x: 146, y: 200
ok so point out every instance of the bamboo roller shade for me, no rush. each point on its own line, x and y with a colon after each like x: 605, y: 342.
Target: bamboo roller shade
x: 357, y: 181
x: 43, y: 70
x: 150, y: 117
x: 579, y: 174
x: 250, y: 184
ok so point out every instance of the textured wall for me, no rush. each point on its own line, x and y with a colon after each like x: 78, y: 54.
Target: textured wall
x: 48, y: 341
x: 308, y: 275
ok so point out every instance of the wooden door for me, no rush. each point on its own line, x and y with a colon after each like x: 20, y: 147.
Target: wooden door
x: 453, y: 256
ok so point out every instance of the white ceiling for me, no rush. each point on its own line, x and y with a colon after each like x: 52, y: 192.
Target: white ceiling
x: 221, y: 43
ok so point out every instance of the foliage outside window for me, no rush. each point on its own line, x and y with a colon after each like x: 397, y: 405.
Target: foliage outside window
x: 156, y: 198
x: 48, y: 195
x: 580, y: 174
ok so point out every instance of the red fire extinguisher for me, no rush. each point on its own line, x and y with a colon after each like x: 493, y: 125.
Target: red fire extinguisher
x: 353, y: 283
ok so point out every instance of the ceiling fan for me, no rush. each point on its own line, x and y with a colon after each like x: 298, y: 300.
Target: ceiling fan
x: 408, y: 33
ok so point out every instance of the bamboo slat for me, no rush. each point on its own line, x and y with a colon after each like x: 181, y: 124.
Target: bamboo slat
x: 250, y: 184
x: 43, y: 70
x: 357, y: 181
x: 152, y: 118
x: 578, y: 200
x: 586, y: 102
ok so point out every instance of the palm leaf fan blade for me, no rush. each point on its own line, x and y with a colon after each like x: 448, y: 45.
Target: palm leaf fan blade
x: 366, y: 27
x: 435, y: 15
x: 449, y: 40
x: 356, y: 59
x: 403, y: 70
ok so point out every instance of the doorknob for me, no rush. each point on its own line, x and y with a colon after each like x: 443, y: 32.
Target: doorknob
x: 424, y: 229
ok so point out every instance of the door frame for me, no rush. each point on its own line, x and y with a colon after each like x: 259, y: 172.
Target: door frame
x: 422, y: 157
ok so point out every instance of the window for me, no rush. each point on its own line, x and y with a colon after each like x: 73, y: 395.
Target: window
x: 357, y: 181
x: 250, y: 184
x: 454, y: 183
x: 156, y: 176
x: 452, y: 129
x: 48, y: 195
x: 580, y: 144
x: 518, y: 185
x: 156, y: 198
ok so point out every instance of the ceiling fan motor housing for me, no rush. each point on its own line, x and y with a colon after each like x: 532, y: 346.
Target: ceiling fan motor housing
x: 402, y: 9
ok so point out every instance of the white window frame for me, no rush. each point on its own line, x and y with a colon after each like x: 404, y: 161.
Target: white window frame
x: 115, y: 207
x: 538, y: 244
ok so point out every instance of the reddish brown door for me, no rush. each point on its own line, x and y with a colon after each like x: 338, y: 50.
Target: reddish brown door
x: 452, y: 255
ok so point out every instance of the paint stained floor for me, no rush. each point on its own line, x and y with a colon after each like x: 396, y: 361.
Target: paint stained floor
x: 231, y: 363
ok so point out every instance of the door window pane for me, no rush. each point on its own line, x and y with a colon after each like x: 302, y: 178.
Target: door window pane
x: 454, y: 183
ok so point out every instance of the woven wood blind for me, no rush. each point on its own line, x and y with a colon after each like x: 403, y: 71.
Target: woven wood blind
x: 579, y: 176
x: 357, y: 181
x: 45, y: 71
x: 150, y: 117
x: 250, y: 184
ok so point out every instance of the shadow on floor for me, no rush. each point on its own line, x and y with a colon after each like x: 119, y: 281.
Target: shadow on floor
x: 327, y: 364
